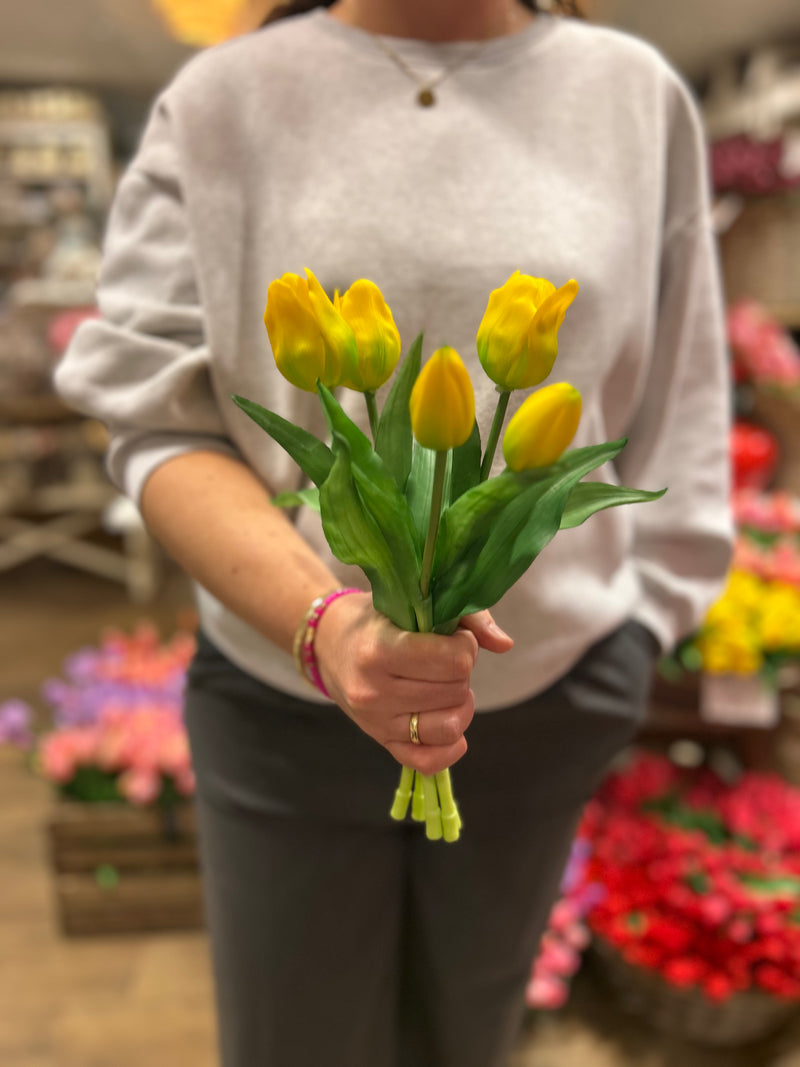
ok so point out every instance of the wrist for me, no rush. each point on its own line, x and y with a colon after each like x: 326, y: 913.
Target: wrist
x: 304, y: 646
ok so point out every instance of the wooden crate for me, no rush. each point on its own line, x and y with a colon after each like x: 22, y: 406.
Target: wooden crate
x: 689, y: 1014
x: 674, y: 714
x: 120, y: 869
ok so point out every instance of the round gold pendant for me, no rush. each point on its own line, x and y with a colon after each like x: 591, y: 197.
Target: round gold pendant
x: 425, y: 98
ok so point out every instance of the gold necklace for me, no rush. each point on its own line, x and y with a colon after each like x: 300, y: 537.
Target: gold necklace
x: 426, y: 96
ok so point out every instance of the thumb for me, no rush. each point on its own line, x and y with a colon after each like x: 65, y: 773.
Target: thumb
x: 487, y: 632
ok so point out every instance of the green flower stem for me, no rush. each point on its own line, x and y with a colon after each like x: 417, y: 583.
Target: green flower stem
x: 372, y: 411
x: 433, y: 817
x: 439, y: 474
x: 423, y: 612
x: 494, y: 433
x: 451, y: 820
x: 418, y: 801
x: 402, y: 796
x: 425, y: 804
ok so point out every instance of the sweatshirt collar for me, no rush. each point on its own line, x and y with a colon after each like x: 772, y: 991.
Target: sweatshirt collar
x: 496, y: 50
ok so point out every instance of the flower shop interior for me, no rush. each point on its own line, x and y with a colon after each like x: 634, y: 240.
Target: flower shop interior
x: 676, y: 937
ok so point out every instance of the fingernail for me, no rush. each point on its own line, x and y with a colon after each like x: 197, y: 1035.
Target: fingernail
x: 495, y: 629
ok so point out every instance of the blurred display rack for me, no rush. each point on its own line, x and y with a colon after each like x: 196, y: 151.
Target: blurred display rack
x: 49, y: 137
x: 760, y: 255
x: 55, y: 498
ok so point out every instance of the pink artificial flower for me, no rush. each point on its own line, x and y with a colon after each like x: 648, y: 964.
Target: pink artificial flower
x: 173, y: 753
x: 185, y: 782
x: 557, y: 957
x: 139, y: 787
x: 563, y: 914
x: 57, y: 758
x: 761, y: 347
x: 715, y: 909
x: 740, y: 930
x: 577, y: 936
x: 546, y: 993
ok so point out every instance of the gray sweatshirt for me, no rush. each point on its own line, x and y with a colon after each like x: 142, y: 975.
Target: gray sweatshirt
x: 564, y: 151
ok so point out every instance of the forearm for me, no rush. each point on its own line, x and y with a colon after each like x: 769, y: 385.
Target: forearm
x: 214, y: 517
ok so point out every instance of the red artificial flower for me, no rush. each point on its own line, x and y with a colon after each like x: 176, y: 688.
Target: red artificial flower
x: 702, y: 876
x: 684, y: 971
x: 718, y: 986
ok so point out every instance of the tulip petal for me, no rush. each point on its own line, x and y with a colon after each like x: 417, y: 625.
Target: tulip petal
x: 377, y: 340
x: 340, y: 344
x: 294, y: 336
x: 442, y: 403
x: 535, y: 290
x: 299, y: 289
x: 543, y: 427
x: 504, y: 340
x: 507, y: 351
x: 551, y: 314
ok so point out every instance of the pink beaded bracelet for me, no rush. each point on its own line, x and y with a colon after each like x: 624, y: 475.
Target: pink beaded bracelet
x: 305, y: 655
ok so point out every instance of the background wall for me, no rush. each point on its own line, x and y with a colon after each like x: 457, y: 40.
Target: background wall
x: 123, y: 42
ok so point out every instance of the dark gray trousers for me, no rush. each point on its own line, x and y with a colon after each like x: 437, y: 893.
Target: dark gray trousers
x: 342, y: 938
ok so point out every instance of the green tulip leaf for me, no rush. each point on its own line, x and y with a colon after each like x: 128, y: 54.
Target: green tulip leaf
x: 313, y: 457
x: 466, y: 465
x: 394, y: 440
x: 490, y: 565
x: 307, y: 497
x: 419, y: 489
x: 354, y: 537
x: 470, y: 518
x: 466, y: 525
x: 378, y: 493
x: 589, y: 497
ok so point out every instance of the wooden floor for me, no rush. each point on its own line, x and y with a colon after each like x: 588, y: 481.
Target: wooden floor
x: 147, y: 1001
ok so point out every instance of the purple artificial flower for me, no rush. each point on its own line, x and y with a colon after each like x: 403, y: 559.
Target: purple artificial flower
x: 15, y: 724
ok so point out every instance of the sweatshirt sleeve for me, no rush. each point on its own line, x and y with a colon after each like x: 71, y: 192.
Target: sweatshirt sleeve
x: 679, y: 437
x: 143, y: 366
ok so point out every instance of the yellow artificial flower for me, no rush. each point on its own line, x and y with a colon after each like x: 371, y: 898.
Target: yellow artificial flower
x: 780, y: 618
x: 543, y: 427
x: 377, y: 340
x: 518, y: 336
x: 753, y: 617
x: 442, y: 403
x: 731, y: 654
x: 310, y: 340
x: 746, y: 589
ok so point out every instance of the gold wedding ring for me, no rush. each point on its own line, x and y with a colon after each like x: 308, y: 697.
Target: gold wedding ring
x: 413, y: 729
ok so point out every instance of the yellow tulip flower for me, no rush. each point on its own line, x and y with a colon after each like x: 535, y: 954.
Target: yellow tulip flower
x: 296, y: 342
x: 442, y: 403
x: 310, y: 340
x: 340, y: 344
x: 543, y: 427
x: 518, y: 336
x: 377, y: 341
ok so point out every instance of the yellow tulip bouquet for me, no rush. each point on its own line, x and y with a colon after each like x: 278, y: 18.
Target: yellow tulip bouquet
x: 414, y: 507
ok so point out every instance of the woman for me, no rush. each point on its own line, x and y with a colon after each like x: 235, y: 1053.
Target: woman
x: 434, y: 148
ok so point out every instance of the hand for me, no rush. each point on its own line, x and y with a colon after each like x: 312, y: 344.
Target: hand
x: 381, y: 675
